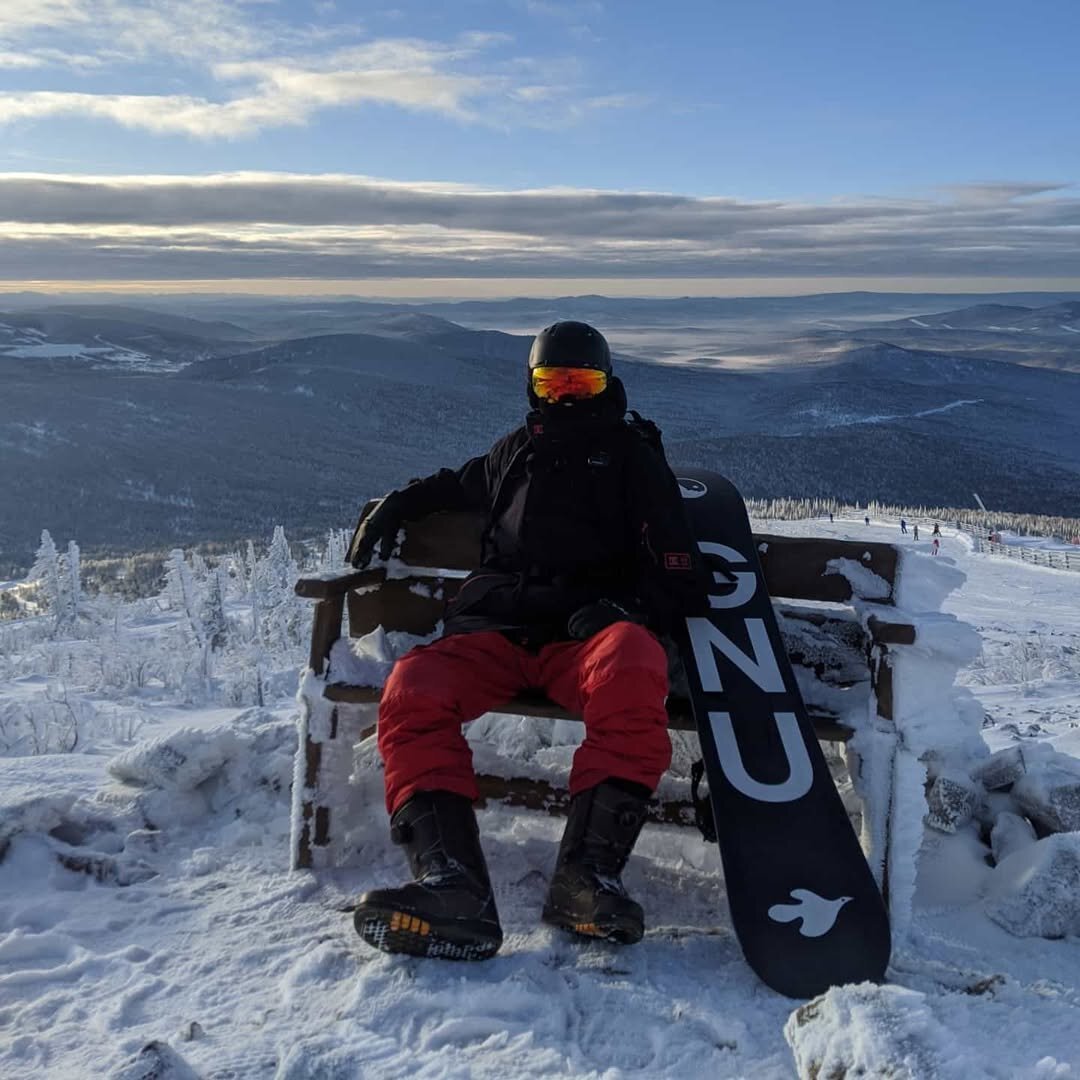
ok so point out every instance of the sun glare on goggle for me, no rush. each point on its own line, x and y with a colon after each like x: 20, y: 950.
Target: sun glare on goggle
x: 562, y: 383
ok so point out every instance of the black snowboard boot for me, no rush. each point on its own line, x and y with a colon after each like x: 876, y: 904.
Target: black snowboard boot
x: 449, y: 909
x: 586, y: 894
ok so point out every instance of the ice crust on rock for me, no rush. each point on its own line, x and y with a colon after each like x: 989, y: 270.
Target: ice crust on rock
x: 1049, y: 793
x: 1035, y: 891
x: 951, y: 800
x: 180, y: 778
x: 1001, y: 770
x: 180, y: 761
x: 157, y: 1060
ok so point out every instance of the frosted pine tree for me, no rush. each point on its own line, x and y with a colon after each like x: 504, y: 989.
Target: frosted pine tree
x: 70, y: 586
x: 283, y: 615
x: 334, y: 559
x: 181, y: 593
x: 281, y: 569
x: 215, y: 625
x: 188, y: 660
x: 250, y: 566
x: 46, y: 571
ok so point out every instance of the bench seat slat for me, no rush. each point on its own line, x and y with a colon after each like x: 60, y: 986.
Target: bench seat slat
x: 826, y: 723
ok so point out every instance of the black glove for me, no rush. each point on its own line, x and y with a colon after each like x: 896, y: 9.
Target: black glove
x: 592, y: 618
x: 379, y: 527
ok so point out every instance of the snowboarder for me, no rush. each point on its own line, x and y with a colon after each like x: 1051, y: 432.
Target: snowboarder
x: 587, y: 556
x: 915, y: 531
x: 903, y: 527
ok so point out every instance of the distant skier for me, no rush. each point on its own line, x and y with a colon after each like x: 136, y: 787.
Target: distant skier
x: 915, y: 531
x: 936, y: 545
x: 903, y: 527
x: 830, y: 517
x: 587, y: 555
x: 867, y: 519
x: 937, y: 530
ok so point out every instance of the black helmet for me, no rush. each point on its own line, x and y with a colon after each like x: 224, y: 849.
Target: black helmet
x: 570, y: 344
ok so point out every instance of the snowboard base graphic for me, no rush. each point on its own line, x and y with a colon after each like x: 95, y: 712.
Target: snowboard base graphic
x: 804, y: 904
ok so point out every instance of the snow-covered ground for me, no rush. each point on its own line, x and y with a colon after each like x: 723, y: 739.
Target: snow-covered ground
x: 149, y: 926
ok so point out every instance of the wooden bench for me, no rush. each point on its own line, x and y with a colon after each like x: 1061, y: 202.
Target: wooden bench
x: 831, y: 645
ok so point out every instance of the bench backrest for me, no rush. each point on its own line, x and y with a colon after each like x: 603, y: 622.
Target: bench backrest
x: 795, y: 568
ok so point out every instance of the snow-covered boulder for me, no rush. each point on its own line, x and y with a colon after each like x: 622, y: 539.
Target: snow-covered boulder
x: 870, y: 1031
x: 1049, y: 793
x: 157, y: 1060
x: 951, y: 802
x: 39, y: 814
x: 178, y: 779
x: 1035, y: 891
x: 1001, y: 770
x: 180, y: 761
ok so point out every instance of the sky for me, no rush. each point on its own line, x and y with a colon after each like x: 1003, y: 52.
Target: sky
x: 541, y: 146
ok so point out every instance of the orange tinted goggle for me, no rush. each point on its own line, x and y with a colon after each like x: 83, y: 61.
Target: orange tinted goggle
x: 557, y: 383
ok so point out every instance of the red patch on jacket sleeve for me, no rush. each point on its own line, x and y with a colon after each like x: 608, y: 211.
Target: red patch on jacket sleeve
x: 677, y: 560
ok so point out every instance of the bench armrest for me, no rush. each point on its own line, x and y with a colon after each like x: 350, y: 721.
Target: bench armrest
x: 337, y: 582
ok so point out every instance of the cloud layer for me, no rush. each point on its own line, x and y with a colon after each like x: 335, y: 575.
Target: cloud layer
x: 235, y: 70
x: 252, y: 225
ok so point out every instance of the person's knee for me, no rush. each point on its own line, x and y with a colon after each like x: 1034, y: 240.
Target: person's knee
x: 631, y: 648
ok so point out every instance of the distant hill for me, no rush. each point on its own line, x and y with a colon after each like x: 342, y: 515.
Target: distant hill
x: 302, y: 431
x: 1053, y: 319
x: 113, y: 336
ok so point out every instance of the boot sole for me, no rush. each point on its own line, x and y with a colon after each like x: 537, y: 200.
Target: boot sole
x: 624, y: 931
x: 394, y: 931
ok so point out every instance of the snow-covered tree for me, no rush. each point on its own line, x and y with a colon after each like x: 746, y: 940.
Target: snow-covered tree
x: 70, y: 606
x: 46, y: 572
x: 181, y: 592
x: 282, y: 616
x: 334, y: 557
x: 280, y: 567
x: 215, y: 625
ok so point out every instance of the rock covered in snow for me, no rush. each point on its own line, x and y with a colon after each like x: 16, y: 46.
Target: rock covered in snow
x: 157, y: 1060
x: 951, y: 802
x: 1001, y: 770
x: 1035, y: 891
x: 180, y: 761
x: 870, y: 1031
x: 1010, y: 833
x: 1049, y: 793
x: 180, y: 778
x: 34, y: 814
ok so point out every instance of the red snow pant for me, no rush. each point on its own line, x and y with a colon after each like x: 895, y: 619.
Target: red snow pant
x: 616, y: 682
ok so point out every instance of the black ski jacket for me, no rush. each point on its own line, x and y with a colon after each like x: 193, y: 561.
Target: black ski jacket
x: 577, y: 511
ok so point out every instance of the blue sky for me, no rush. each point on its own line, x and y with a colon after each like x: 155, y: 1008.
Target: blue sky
x: 817, y: 142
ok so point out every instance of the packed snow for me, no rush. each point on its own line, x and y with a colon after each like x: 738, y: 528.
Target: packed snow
x: 150, y: 927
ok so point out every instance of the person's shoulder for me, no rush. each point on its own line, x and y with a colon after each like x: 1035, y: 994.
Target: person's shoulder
x: 508, y: 444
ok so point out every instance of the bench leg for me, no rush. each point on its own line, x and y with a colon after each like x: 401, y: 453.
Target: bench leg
x: 323, y: 797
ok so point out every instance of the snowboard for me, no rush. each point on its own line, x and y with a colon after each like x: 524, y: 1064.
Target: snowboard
x: 804, y: 904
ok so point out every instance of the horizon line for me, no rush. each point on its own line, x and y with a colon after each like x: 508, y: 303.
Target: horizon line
x: 502, y: 288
